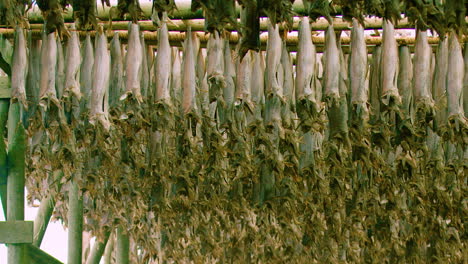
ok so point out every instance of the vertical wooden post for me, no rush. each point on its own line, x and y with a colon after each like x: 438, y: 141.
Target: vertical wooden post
x: 15, y: 185
x: 123, y: 247
x: 4, y: 105
x: 75, y: 223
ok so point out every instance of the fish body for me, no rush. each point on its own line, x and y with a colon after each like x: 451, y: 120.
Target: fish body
x: 48, y: 66
x: 288, y: 87
x: 86, y: 70
x: 133, y: 63
x: 116, y: 87
x: 258, y: 83
x: 215, y: 67
x: 100, y: 86
x: 332, y: 67
x: 189, y: 76
x: 358, y: 69
x: 389, y: 66
x: 176, y: 77
x: 20, y: 68
x: 60, y: 71
x: 73, y: 61
x: 455, y: 76
x: 306, y: 61
x: 229, y: 75
x: 162, y: 67
x: 145, y: 75
x: 465, y: 81
x: 273, y: 72
x: 374, y: 82
x: 422, y: 62
x: 405, y: 78
x: 243, y: 83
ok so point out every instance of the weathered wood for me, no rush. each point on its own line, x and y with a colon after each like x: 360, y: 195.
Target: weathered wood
x: 97, y: 251
x: 38, y: 256
x: 16, y: 232
x: 75, y: 224
x: 42, y: 219
x: 109, y: 250
x: 15, y: 185
x: 123, y: 246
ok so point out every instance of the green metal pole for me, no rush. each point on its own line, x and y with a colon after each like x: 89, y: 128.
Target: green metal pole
x: 123, y: 247
x: 4, y: 105
x: 109, y: 250
x: 15, y: 185
x: 75, y: 224
x: 97, y: 251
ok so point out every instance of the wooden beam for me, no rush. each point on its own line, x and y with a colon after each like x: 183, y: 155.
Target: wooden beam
x: 15, y: 187
x: 38, y: 256
x: 16, y: 232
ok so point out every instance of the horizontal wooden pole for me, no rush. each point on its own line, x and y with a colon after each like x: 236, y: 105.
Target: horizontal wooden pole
x: 16, y: 232
x: 38, y: 256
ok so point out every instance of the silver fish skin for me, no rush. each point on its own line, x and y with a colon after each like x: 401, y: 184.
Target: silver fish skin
x: 48, y: 65
x: 163, y: 65
x: 421, y: 68
x: 358, y: 62
x: 306, y: 63
x: 243, y: 79
x: 439, y: 84
x: 19, y: 69
x: 189, y: 76
x: 215, y: 66
x: 229, y: 75
x: 465, y: 81
x: 332, y: 66
x: 133, y: 63
x: 374, y: 81
x: 100, y: 88
x: 273, y: 58
x: 176, y: 77
x: 455, y: 77
x: 73, y: 61
x: 200, y: 66
x: 60, y: 70
x: 34, y: 63
x: 86, y: 70
x: 405, y: 78
x: 288, y: 75
x: 145, y: 75
x: 116, y: 87
x: 389, y: 65
x: 258, y: 80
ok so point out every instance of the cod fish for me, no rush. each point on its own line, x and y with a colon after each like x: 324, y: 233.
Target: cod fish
x: 133, y: 64
x: 116, y: 87
x: 258, y: 84
x: 162, y: 67
x: 332, y: 68
x: 229, y: 75
x: 32, y: 82
x: 288, y: 88
x: 374, y: 83
x: 189, y: 76
x: 73, y: 61
x: 439, y: 85
x: 145, y: 75
x: 465, y: 82
x: 60, y: 71
x: 20, y: 68
x: 455, y: 77
x: 101, y: 73
x: 389, y: 66
x: 243, y: 79
x: 358, y: 72
x: 176, y: 77
x: 405, y: 77
x: 421, y: 75
x: 215, y: 67
x: 86, y: 70
x: 48, y: 65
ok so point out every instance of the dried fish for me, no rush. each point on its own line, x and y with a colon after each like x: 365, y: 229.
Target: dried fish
x: 145, y: 75
x: 133, y: 66
x: 100, y: 89
x: 163, y: 66
x: 243, y: 82
x: 215, y: 67
x: 288, y: 88
x: 332, y: 68
x: 405, y: 77
x: 389, y: 67
x: 229, y: 76
x: 116, y: 87
x: 258, y: 85
x: 19, y: 68
x: 374, y: 83
x: 86, y: 70
x: 189, y: 76
x: 421, y: 79
x: 465, y: 81
x: 48, y: 65
x: 60, y: 71
x: 439, y: 86
x: 73, y: 61
x: 176, y: 77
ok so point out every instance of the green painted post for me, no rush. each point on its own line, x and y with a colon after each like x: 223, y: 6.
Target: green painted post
x: 15, y: 185
x: 4, y: 105
x: 109, y: 250
x: 97, y: 251
x: 75, y: 224
x: 123, y: 247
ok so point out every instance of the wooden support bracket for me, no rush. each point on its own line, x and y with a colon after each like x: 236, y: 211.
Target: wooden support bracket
x: 16, y: 232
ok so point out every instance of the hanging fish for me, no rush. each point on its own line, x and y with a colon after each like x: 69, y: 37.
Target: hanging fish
x: 60, y: 71
x: 162, y: 67
x: 19, y: 68
x: 421, y: 78
x: 100, y: 87
x: 73, y: 61
x: 48, y: 66
x: 405, y: 78
x: 358, y: 74
x: 33, y: 78
x: 288, y: 88
x: 133, y: 64
x: 375, y: 83
x: 455, y: 80
x: 215, y: 66
x: 243, y: 82
x: 229, y: 75
x: 258, y: 85
x: 465, y: 82
x: 145, y: 75
x: 116, y: 87
x: 389, y: 70
x: 176, y: 77
x: 86, y: 70
x: 439, y: 86
x: 189, y: 77
x: 332, y: 68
